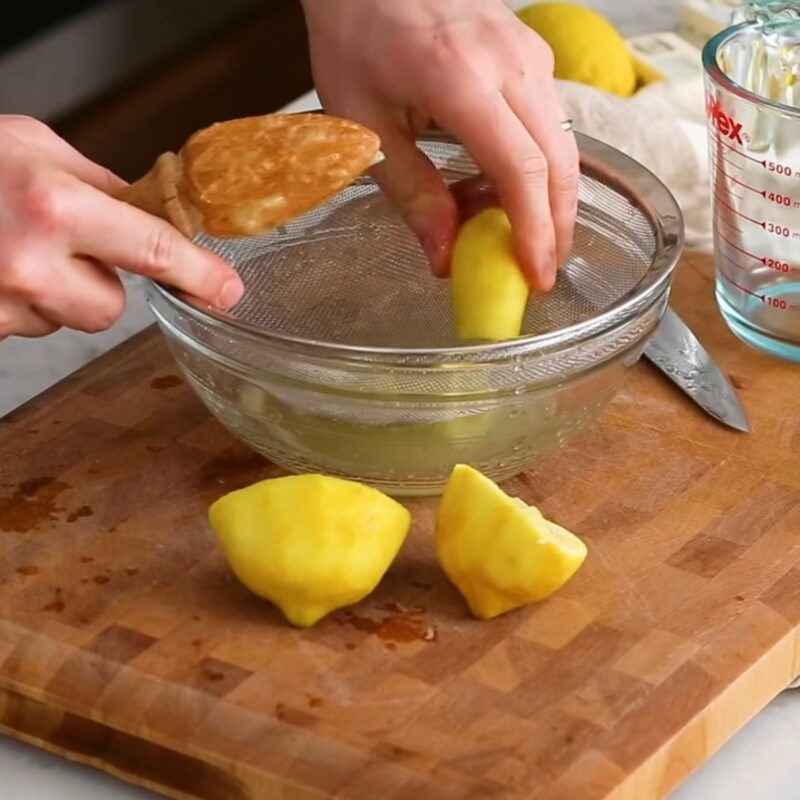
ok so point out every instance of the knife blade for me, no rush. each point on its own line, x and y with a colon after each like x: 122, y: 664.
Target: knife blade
x: 675, y: 351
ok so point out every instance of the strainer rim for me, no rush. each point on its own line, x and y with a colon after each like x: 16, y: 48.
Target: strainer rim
x: 653, y: 198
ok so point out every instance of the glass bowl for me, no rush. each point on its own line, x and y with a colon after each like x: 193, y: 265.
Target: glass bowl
x: 342, y: 357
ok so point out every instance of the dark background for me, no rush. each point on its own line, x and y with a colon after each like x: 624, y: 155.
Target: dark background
x: 27, y: 21
x: 253, y: 66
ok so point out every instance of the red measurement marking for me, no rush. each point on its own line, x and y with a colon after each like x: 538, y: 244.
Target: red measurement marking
x: 733, y: 164
x: 736, y: 211
x: 742, y: 183
x: 773, y: 302
x: 735, y: 263
x: 736, y: 247
x: 732, y: 226
x: 730, y: 223
x: 739, y: 152
x: 742, y: 288
x: 784, y: 267
x: 771, y: 263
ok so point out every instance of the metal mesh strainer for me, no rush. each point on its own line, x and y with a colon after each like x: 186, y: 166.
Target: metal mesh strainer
x: 351, y: 274
x: 342, y: 357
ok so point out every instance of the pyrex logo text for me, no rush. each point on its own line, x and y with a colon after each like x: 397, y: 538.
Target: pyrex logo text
x: 725, y: 124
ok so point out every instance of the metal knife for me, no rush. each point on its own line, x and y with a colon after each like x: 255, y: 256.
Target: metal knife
x: 675, y: 350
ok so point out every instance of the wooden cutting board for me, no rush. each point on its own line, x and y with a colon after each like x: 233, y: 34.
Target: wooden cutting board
x: 126, y: 644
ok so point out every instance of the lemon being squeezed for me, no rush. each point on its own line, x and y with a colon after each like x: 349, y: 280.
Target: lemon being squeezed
x: 489, y: 289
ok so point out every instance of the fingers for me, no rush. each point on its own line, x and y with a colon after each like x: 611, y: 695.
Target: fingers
x: 541, y: 114
x: 17, y: 318
x: 473, y: 195
x: 89, y: 296
x: 415, y: 185
x: 116, y: 233
x: 505, y: 150
x: 41, y: 138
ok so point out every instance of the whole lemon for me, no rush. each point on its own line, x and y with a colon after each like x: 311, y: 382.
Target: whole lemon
x: 587, y: 47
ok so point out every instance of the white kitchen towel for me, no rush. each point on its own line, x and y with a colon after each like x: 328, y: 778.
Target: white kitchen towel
x: 662, y: 126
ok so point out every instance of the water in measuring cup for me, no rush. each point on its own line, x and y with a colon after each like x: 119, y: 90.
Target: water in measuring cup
x: 755, y: 157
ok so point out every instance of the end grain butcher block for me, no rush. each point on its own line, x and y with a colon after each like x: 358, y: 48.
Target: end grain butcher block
x: 126, y: 644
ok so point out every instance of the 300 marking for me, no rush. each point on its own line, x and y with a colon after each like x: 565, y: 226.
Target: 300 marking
x: 778, y: 230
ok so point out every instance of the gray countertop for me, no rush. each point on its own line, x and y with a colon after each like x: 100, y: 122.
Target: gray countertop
x: 757, y: 763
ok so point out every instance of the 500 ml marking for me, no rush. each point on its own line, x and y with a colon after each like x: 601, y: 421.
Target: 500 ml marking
x: 780, y: 169
x: 774, y: 197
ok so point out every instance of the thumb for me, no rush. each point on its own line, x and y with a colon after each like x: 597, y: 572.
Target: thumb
x: 417, y: 188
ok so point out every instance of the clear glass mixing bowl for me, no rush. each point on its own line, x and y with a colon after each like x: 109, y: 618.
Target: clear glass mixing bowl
x: 342, y: 357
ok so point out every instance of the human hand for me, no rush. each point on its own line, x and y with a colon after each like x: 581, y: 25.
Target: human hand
x: 475, y: 70
x: 61, y: 237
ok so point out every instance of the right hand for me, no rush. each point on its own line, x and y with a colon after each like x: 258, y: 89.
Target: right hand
x: 476, y: 70
x: 62, y: 235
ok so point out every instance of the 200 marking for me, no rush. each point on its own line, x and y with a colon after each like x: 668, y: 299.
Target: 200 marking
x: 778, y: 266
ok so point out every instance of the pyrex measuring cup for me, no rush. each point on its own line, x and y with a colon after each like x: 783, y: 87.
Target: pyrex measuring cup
x: 753, y: 106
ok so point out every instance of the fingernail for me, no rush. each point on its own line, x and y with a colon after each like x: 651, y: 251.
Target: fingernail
x: 231, y: 292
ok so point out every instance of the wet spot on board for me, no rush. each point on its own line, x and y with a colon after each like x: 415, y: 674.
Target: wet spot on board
x: 398, y: 626
x: 57, y: 605
x: 28, y: 570
x: 166, y: 382
x: 314, y: 702
x: 294, y: 716
x: 86, y: 559
x: 32, y: 503
x: 101, y: 580
x: 78, y: 513
x: 130, y: 572
x: 239, y: 470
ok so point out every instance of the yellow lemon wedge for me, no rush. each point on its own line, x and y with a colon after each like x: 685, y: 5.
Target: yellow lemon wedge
x: 309, y: 543
x: 489, y: 289
x: 499, y: 552
x: 587, y: 47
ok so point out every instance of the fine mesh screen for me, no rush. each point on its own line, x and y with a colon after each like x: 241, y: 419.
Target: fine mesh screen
x: 350, y: 272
